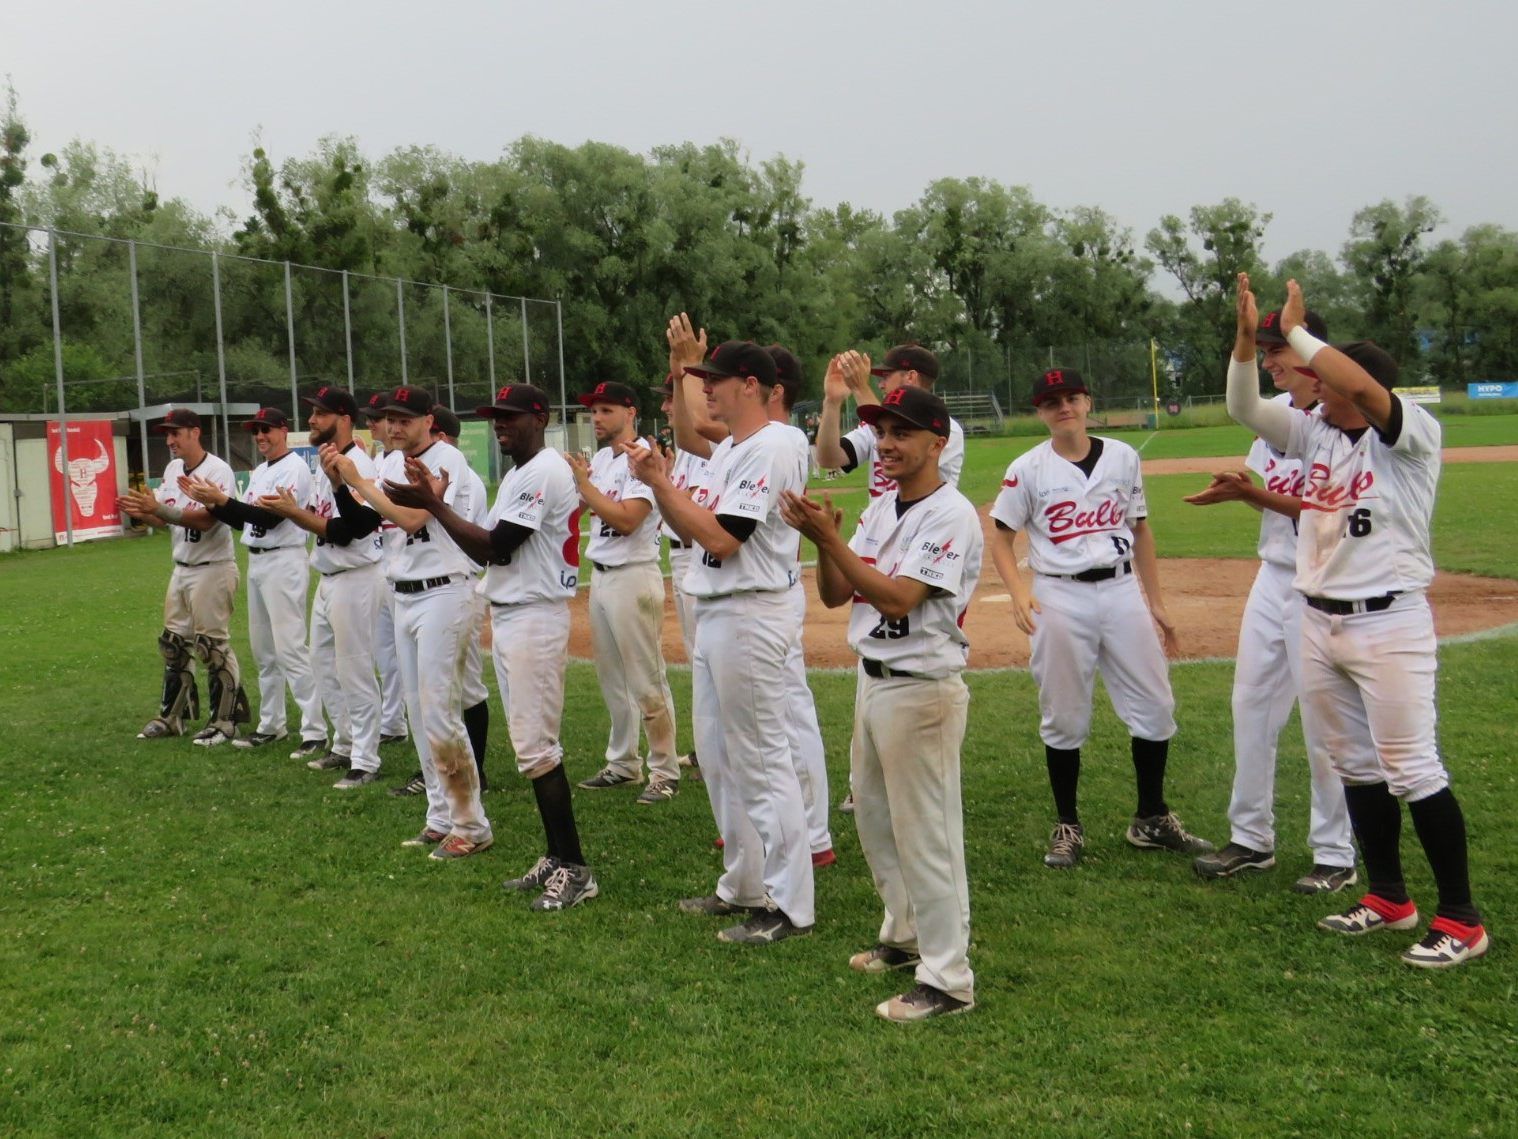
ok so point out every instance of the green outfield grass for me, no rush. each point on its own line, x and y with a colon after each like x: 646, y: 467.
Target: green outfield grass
x: 219, y: 943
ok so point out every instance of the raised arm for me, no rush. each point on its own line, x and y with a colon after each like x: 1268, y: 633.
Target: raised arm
x: 695, y: 430
x: 835, y: 390
x: 1334, y: 369
x: 1270, y: 421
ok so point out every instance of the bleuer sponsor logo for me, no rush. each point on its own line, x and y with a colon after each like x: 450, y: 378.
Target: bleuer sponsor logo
x: 1320, y: 494
x: 758, y: 486
x: 939, y: 553
x: 1066, y: 520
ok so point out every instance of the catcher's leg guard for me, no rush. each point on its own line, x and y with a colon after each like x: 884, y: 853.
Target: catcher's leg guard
x: 229, y: 703
x: 181, y: 699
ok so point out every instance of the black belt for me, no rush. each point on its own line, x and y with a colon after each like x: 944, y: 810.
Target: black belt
x: 1346, y: 608
x: 676, y: 544
x: 420, y: 586
x: 1096, y: 574
x: 263, y: 549
x: 882, y: 672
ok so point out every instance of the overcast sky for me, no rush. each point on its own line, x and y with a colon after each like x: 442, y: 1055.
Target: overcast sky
x: 1309, y: 110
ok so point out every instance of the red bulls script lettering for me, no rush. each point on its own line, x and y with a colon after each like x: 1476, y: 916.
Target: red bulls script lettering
x: 1320, y: 494
x: 1066, y: 521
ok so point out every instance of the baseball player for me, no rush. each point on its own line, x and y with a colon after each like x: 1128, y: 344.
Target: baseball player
x: 626, y: 601
x: 349, y: 592
x: 197, y: 609
x: 687, y: 471
x: 744, y: 628
x: 848, y: 374
x: 392, y: 693
x: 432, y: 581
x: 1268, y: 673
x: 476, y: 697
x: 1080, y: 498
x: 278, y: 582
x: 532, y: 554
x: 696, y: 429
x: 1368, y: 647
x: 909, y: 572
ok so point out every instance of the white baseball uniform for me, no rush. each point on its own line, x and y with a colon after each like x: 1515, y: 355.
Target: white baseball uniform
x: 343, y: 616
x: 626, y: 618
x: 687, y: 473
x: 909, y: 723
x: 861, y: 444
x: 745, y: 624
x: 474, y: 690
x: 1364, y: 535
x: 804, y: 732
x: 529, y: 604
x: 278, y: 582
x: 1079, y: 525
x: 197, y: 607
x: 432, y: 580
x: 1267, y: 679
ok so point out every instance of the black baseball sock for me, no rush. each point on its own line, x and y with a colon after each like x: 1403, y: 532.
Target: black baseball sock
x: 477, y: 724
x: 1376, y: 817
x: 1441, y: 829
x: 1064, y: 778
x: 558, y: 814
x: 1149, y: 758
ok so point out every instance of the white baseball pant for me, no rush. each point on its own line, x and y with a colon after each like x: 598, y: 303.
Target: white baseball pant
x: 804, y: 734
x: 1370, y: 677
x: 626, y: 615
x: 278, y: 581
x: 1084, y: 626
x: 530, y: 645
x: 392, y: 691
x: 431, y: 635
x: 1266, y: 680
x: 685, y: 604
x: 739, y: 696
x: 199, y: 600
x: 474, y: 689
x: 342, y: 655
x: 904, y: 769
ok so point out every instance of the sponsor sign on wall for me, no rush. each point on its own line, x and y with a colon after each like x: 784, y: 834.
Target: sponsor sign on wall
x: 87, y: 485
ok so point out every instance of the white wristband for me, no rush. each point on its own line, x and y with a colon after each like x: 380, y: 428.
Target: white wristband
x: 171, y: 514
x: 1304, y: 343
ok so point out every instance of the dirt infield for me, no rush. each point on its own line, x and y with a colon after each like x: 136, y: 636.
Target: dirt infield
x: 1205, y: 596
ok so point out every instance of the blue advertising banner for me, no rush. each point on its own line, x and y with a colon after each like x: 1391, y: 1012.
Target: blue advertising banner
x: 1492, y: 391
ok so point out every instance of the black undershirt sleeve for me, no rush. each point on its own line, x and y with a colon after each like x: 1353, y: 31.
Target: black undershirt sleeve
x: 358, y: 518
x: 1393, y: 429
x: 853, y: 459
x: 235, y: 513
x: 740, y: 528
x: 505, y: 539
x: 1000, y: 525
x: 339, y: 532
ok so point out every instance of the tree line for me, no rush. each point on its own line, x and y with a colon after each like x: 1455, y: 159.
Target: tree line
x: 982, y: 272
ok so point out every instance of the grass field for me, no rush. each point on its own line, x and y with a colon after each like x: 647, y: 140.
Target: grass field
x: 220, y: 944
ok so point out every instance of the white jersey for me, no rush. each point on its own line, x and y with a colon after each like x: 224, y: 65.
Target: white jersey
x: 289, y: 470
x: 687, y: 472
x: 325, y: 557
x: 479, y: 500
x: 936, y: 541
x: 198, y: 547
x: 1278, y: 533
x: 1367, y: 505
x: 430, y: 552
x: 1074, y: 523
x: 540, y: 496
x: 610, y: 474
x: 745, y: 480
x: 950, y: 462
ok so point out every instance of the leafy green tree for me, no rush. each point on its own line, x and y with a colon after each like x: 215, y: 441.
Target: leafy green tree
x: 1384, y: 255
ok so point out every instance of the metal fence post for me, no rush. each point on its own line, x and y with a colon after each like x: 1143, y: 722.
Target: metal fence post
x: 348, y: 331
x: 400, y: 317
x: 221, y: 354
x: 558, y: 307
x: 490, y: 340
x: 63, y: 417
x: 290, y: 340
x: 448, y: 348
x: 142, y: 392
x: 526, y: 349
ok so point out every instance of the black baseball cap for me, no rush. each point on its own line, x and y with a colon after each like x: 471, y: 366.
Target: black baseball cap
x: 444, y: 422
x: 609, y: 391
x: 1270, y: 332
x: 916, y: 406
x: 407, y: 400
x: 267, y: 417
x: 1058, y: 381
x: 737, y: 359
x: 178, y: 417
x: 1377, y: 361
x: 336, y: 400
x: 516, y: 399
x: 787, y: 372
x: 908, y: 358
x: 376, y: 405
